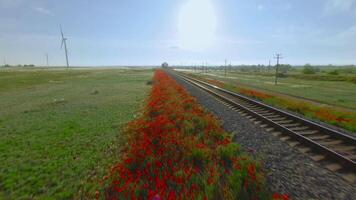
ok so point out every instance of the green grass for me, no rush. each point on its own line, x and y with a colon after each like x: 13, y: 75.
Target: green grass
x: 60, y: 130
x: 311, y: 87
x: 296, y: 100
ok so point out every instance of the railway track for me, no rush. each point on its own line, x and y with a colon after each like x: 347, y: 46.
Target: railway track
x: 335, y: 149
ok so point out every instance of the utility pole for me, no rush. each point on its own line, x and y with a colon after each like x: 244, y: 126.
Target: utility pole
x: 225, y: 67
x: 206, y: 67
x: 47, y: 60
x: 5, y: 62
x: 278, y: 57
x: 269, y: 65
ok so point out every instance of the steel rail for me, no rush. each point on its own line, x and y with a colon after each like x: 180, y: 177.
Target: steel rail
x: 228, y: 97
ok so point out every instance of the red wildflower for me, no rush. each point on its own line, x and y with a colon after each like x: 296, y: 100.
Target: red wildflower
x: 277, y: 196
x: 255, y: 94
x: 158, y: 160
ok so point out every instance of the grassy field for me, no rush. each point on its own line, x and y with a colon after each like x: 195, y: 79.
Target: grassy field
x: 321, y: 97
x: 59, y: 129
x: 338, y: 93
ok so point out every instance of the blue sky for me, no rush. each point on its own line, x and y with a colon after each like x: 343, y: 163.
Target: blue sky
x: 138, y: 32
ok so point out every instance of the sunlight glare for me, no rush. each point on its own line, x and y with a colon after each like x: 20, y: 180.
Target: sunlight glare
x: 197, y: 25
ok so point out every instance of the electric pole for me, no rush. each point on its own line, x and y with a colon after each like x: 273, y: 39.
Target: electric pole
x: 269, y: 65
x: 278, y: 57
x: 225, y: 67
x: 206, y: 67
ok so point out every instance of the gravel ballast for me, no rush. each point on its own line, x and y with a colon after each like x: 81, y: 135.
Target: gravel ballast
x: 288, y: 171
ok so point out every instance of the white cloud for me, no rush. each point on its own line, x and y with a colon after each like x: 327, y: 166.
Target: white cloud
x: 43, y: 11
x: 337, y: 6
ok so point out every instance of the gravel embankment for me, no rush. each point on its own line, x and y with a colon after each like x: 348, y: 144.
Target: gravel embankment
x: 289, y: 171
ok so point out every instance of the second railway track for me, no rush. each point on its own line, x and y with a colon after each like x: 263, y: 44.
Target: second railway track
x: 325, y: 144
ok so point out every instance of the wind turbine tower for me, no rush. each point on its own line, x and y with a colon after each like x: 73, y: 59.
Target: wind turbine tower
x: 47, y: 62
x: 64, y: 42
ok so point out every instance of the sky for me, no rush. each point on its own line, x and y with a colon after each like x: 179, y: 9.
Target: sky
x: 188, y: 32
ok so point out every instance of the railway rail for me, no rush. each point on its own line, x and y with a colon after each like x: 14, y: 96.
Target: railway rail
x: 323, y: 143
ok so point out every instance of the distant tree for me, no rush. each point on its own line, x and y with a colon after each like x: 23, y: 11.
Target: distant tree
x: 347, y: 70
x: 284, y: 68
x: 308, y: 69
x: 165, y: 65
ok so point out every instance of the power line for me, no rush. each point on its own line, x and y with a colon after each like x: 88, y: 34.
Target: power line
x: 278, y: 57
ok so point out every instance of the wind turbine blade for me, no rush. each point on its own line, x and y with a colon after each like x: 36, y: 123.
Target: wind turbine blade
x: 60, y: 27
x: 62, y: 43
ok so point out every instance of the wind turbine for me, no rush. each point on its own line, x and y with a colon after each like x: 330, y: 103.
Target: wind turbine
x: 64, y: 42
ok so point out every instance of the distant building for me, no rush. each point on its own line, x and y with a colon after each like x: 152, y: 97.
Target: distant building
x: 165, y: 65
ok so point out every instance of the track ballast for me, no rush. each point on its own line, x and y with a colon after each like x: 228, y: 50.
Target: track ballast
x: 322, y: 142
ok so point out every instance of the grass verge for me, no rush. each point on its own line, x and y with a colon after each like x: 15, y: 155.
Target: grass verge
x: 177, y: 150
x: 339, y: 117
x: 338, y: 93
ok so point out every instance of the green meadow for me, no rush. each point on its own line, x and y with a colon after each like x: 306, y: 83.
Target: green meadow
x: 60, y: 129
x: 337, y: 90
x: 326, y: 95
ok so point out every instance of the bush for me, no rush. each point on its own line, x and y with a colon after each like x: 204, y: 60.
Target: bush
x: 282, y: 75
x: 308, y: 69
x: 334, y: 72
x: 353, y: 80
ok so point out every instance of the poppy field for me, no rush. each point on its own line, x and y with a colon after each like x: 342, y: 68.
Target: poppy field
x: 177, y: 150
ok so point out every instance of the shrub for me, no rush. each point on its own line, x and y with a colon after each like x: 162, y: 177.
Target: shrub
x: 353, y: 80
x: 334, y: 72
x: 308, y: 69
x: 282, y: 75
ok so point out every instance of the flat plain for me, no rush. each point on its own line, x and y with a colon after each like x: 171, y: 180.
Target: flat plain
x: 60, y: 129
